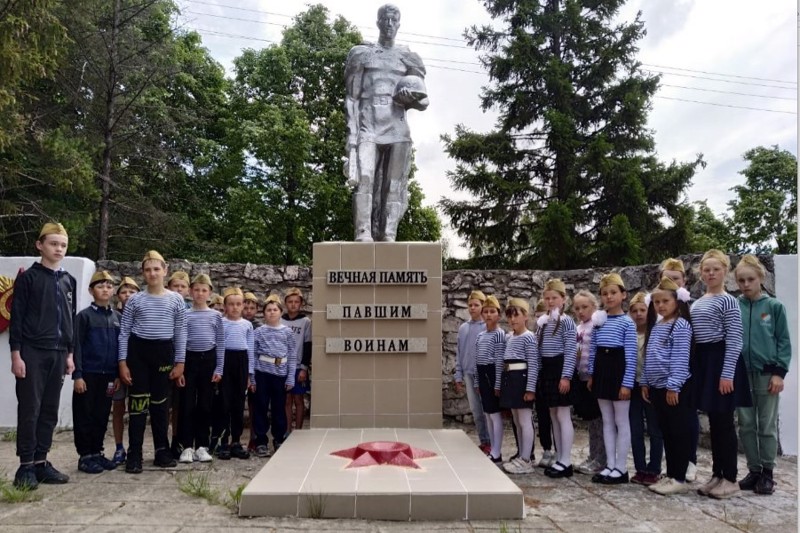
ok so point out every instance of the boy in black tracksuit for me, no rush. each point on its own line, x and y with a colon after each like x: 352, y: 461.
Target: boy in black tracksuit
x: 95, y: 375
x: 40, y: 334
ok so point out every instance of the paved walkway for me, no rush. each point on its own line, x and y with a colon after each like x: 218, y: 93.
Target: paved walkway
x: 153, y: 503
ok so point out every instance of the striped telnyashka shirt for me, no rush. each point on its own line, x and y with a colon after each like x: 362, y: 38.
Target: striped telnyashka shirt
x: 666, y: 364
x: 619, y: 331
x: 276, y: 341
x: 717, y: 318
x: 489, y: 349
x: 152, y: 317
x: 521, y: 348
x: 239, y: 336
x: 204, y: 331
x: 563, y: 342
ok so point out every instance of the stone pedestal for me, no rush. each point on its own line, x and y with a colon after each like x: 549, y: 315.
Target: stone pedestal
x: 377, y: 359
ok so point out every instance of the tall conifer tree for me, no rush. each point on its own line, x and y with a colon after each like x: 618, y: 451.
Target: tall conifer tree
x: 569, y: 176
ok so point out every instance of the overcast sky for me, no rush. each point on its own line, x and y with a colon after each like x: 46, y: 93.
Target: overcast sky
x: 731, y: 46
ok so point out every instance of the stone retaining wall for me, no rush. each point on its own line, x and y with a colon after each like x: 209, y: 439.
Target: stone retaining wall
x: 456, y: 286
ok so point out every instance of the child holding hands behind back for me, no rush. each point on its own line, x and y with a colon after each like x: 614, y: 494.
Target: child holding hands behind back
x: 666, y: 379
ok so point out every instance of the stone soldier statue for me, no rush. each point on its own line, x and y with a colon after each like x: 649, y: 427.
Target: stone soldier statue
x: 382, y: 81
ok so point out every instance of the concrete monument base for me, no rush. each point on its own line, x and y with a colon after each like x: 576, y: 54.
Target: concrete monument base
x: 304, y: 479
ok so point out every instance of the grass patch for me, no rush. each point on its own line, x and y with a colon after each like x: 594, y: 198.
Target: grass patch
x: 505, y: 529
x: 11, y: 494
x: 234, y: 498
x: 316, y: 505
x: 10, y: 435
x: 197, y: 484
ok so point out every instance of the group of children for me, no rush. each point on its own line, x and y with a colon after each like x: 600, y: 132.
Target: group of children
x: 161, y: 348
x: 169, y: 348
x: 651, y: 367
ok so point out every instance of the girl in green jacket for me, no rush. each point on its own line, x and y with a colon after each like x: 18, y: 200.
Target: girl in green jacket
x: 766, y: 351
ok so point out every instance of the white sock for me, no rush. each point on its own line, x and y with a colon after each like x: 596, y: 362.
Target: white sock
x: 609, y: 432
x: 623, y: 426
x: 494, y: 421
x: 525, y: 432
x: 567, y: 437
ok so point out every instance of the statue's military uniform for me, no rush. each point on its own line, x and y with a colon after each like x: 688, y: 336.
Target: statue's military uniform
x: 379, y: 136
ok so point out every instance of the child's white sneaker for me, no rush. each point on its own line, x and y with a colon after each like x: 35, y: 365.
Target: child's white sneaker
x: 202, y: 455
x: 519, y: 466
x: 691, y: 472
x: 187, y: 456
x: 547, y: 460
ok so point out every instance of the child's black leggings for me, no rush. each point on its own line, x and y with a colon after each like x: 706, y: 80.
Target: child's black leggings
x: 229, y: 401
x: 194, y: 417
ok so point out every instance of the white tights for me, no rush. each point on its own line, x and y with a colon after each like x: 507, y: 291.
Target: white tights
x: 616, y: 432
x: 563, y: 433
x: 494, y: 422
x: 523, y: 418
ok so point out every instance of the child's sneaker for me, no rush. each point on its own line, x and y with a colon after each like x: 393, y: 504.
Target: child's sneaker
x: 238, y: 451
x: 202, y: 455
x: 589, y: 467
x: 88, y: 465
x: 224, y: 452
x: 519, y: 466
x: 262, y: 450
x: 187, y: 456
x: 47, y: 474
x: 25, y: 478
x: 119, y: 456
x: 105, y: 462
x: 547, y: 460
x: 164, y: 459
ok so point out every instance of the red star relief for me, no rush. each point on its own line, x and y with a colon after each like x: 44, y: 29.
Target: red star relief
x: 383, y: 453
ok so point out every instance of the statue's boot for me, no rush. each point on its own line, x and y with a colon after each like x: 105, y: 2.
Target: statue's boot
x: 362, y: 215
x: 394, y: 212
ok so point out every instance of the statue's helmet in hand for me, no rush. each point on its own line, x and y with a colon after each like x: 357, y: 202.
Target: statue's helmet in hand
x: 415, y: 86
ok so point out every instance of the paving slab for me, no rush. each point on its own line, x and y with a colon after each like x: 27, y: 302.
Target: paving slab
x: 153, y: 503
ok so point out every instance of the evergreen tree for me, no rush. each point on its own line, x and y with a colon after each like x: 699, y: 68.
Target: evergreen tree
x: 569, y: 176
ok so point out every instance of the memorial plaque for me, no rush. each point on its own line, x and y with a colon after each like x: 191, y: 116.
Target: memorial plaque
x: 376, y: 345
x: 377, y: 277
x: 377, y: 312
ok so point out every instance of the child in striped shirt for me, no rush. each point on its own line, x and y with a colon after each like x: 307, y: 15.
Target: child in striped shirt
x: 152, y: 351
x: 205, y: 356
x: 612, y: 368
x: 300, y: 324
x: 720, y: 374
x: 641, y: 411
x: 274, y: 375
x: 665, y: 379
x: 228, y: 418
x: 489, y: 349
x: 557, y: 350
x: 516, y: 375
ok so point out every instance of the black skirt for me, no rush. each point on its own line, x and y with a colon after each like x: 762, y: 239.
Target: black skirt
x: 486, y: 379
x: 609, y: 369
x: 549, y: 379
x: 707, y: 366
x: 586, y: 406
x: 512, y: 389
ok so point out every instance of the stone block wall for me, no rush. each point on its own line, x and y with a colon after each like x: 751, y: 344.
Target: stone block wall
x: 456, y: 286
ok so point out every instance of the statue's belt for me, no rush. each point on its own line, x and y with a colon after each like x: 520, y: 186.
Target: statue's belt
x: 383, y: 99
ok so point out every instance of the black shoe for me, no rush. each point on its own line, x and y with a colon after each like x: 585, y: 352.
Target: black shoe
x: 565, y: 471
x: 105, y: 462
x: 47, y: 474
x: 496, y: 460
x: 750, y: 480
x: 133, y: 464
x: 276, y: 446
x: 618, y: 480
x: 238, y: 451
x: 224, y: 452
x: 176, y: 450
x: 88, y: 464
x: 599, y: 477
x: 765, y: 485
x: 25, y: 478
x: 164, y: 459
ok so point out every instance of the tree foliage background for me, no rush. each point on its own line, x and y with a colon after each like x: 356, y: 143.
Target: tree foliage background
x: 121, y: 125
